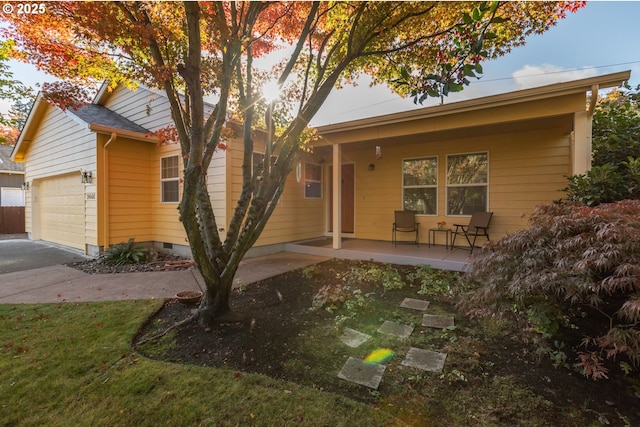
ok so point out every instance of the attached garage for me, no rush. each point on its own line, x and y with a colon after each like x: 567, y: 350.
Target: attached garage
x: 61, y: 210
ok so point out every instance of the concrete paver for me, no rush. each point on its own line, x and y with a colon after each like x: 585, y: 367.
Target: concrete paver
x: 425, y: 360
x: 359, y: 372
x: 395, y: 329
x: 414, y: 304
x: 437, y: 321
x: 353, y: 338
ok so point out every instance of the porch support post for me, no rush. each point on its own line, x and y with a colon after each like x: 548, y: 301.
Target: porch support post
x: 336, y: 207
x: 581, y: 144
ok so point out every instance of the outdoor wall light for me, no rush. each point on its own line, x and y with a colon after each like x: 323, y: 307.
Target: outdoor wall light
x: 378, y: 152
x: 86, y: 177
x: 26, y: 186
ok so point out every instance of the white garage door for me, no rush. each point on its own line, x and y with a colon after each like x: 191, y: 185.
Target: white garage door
x: 62, y: 210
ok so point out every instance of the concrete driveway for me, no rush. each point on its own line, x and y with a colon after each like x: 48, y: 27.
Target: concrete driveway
x: 33, y: 272
x: 22, y: 254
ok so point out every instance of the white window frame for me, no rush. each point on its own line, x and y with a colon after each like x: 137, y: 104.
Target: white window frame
x: 448, y: 185
x: 434, y: 186
x: 164, y: 179
x: 310, y: 181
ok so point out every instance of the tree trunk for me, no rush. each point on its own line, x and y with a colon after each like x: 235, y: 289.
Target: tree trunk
x: 214, y: 308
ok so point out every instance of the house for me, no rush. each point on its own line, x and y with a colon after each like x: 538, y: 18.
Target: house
x: 96, y: 176
x: 11, y: 193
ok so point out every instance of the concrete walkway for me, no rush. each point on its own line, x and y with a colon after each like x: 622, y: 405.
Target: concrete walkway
x: 33, y: 272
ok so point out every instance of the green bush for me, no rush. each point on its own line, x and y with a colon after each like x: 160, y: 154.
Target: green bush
x: 616, y: 152
x: 389, y: 278
x: 574, y: 261
x: 606, y: 183
x: 124, y: 253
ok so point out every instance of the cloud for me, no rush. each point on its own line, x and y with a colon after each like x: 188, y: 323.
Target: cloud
x: 540, y: 75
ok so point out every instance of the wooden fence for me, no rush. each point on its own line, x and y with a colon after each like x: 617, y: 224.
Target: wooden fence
x: 11, y: 219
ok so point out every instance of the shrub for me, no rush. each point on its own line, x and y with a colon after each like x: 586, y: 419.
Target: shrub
x: 124, y: 253
x: 572, y: 258
x: 433, y: 282
x: 389, y: 277
x: 606, y: 183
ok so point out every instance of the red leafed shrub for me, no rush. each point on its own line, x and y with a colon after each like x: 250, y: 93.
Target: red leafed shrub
x: 575, y: 263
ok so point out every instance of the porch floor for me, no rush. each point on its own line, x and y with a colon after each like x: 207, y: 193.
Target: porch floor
x: 437, y: 256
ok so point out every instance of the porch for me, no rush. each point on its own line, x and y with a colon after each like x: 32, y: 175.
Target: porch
x: 437, y: 256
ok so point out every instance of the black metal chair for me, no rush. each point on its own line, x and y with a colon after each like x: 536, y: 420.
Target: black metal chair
x: 405, y: 222
x: 478, y: 227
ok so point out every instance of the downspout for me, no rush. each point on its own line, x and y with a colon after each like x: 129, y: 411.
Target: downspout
x: 105, y: 189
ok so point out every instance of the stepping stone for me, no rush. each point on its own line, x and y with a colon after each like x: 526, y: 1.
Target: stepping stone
x: 353, y: 338
x: 436, y: 321
x: 395, y: 329
x: 424, y: 359
x: 414, y: 304
x: 359, y: 372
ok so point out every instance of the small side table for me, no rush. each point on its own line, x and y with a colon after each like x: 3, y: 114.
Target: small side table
x: 447, y: 236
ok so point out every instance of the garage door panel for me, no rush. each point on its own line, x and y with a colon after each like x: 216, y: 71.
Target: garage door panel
x: 62, y: 210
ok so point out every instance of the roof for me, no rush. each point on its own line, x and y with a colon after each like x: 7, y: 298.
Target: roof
x: 6, y: 165
x: 98, y: 116
x: 509, y: 98
x: 97, y: 119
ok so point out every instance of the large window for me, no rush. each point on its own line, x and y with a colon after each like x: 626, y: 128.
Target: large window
x: 467, y: 183
x: 312, y: 181
x: 420, y: 185
x: 170, y: 179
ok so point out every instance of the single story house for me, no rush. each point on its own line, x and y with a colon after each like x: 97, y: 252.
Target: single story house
x: 96, y: 176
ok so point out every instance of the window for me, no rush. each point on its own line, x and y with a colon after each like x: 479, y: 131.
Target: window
x: 170, y: 179
x: 467, y: 179
x: 312, y: 181
x: 257, y: 164
x: 420, y: 185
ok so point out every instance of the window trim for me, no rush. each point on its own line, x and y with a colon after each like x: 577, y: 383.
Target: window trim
x: 321, y: 181
x: 171, y: 179
x: 447, y: 185
x: 436, y: 157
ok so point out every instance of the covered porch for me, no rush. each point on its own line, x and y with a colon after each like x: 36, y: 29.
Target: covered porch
x: 437, y: 256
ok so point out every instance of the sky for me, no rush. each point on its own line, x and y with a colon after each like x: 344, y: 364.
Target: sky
x: 600, y: 38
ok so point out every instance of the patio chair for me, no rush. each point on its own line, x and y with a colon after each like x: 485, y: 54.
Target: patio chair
x: 478, y: 227
x: 405, y: 222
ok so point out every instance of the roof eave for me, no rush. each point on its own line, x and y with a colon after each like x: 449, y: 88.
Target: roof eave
x: 531, y: 94
x: 139, y: 136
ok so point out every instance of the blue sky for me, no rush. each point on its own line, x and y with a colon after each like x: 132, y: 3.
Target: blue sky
x: 585, y: 44
x: 601, y: 38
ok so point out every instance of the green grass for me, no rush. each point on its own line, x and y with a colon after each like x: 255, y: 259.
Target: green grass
x: 72, y: 364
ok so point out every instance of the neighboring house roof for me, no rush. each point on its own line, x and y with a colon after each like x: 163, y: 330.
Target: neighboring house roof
x: 99, y: 117
x: 6, y: 165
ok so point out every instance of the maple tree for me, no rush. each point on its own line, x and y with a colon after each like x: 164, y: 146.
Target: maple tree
x: 193, y: 49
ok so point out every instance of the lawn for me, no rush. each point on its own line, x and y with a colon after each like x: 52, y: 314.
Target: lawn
x: 75, y: 364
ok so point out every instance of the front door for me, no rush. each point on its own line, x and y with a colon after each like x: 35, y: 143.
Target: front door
x: 348, y: 192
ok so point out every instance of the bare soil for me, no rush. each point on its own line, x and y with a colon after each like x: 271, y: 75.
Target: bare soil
x: 491, y: 377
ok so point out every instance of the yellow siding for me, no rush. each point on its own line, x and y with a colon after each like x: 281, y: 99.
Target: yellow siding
x: 166, y: 218
x: 130, y: 178
x: 517, y: 182
x: 294, y: 218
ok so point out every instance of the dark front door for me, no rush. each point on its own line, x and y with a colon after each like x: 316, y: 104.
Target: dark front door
x: 348, y: 192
